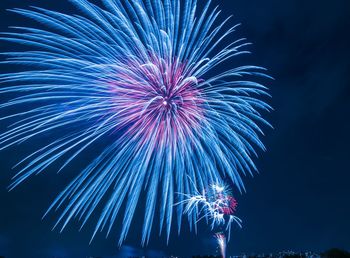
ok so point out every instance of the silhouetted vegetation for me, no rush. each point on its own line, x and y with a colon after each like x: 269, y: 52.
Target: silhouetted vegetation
x: 335, y: 253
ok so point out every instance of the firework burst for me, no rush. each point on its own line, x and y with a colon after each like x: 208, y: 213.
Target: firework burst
x: 148, y: 77
x: 216, y: 204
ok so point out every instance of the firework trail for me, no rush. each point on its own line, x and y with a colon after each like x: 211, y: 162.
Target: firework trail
x: 146, y: 79
x: 221, y: 239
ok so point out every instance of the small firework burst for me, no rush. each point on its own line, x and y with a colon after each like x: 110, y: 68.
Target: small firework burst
x: 215, y: 203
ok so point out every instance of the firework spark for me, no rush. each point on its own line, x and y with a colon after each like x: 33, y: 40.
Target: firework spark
x: 147, y: 77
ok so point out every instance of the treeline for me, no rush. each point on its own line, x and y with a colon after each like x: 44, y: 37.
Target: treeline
x: 332, y: 253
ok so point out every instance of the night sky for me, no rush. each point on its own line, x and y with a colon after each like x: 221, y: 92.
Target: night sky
x: 299, y: 201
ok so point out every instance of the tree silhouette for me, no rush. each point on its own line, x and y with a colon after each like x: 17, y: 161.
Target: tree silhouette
x: 336, y: 253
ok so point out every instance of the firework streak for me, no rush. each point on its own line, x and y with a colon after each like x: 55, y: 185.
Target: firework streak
x: 221, y: 239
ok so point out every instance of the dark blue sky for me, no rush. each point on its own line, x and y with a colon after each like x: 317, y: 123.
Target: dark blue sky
x: 301, y: 198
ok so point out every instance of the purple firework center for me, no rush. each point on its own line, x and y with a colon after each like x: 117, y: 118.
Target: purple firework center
x: 159, y: 95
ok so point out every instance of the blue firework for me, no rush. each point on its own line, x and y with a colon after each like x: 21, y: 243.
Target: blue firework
x: 147, y: 77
